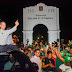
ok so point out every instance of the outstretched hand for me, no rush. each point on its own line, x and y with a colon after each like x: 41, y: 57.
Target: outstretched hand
x: 16, y: 23
x: 50, y: 45
x: 45, y: 49
x: 69, y: 42
x: 58, y: 44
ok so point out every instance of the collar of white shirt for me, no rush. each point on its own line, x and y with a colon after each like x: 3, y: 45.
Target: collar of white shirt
x: 37, y: 57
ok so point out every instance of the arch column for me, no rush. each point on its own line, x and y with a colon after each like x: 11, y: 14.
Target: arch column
x: 53, y: 36
x: 27, y: 35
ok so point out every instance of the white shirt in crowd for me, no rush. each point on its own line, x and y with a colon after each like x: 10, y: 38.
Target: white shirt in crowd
x: 63, y: 67
x: 9, y: 39
x: 36, y: 60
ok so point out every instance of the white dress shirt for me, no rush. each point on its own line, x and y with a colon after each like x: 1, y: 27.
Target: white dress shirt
x: 37, y: 61
x: 9, y: 39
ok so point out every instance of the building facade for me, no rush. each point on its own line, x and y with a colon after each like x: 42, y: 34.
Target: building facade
x: 41, y: 14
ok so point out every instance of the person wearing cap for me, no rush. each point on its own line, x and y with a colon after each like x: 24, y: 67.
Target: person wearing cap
x: 70, y: 49
x: 70, y: 52
x: 66, y: 65
x: 4, y: 34
x: 70, y: 69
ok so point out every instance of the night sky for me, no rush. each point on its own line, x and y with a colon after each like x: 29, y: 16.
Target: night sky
x: 10, y: 11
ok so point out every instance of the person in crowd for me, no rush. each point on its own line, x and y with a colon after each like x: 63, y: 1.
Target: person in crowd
x: 36, y: 59
x: 27, y: 50
x: 70, y: 69
x: 56, y: 56
x: 29, y: 54
x: 42, y: 57
x: 49, y: 62
x: 42, y: 45
x: 10, y: 65
x: 4, y: 34
x: 25, y: 64
x: 70, y: 52
x: 64, y: 67
x: 43, y: 63
x: 66, y: 53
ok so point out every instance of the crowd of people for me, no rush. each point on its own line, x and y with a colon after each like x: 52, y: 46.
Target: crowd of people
x: 53, y: 57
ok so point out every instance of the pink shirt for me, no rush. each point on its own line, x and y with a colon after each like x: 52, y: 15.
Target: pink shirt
x: 36, y: 60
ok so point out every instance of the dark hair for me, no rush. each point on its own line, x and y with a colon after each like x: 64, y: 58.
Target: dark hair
x: 36, y: 44
x: 36, y: 50
x: 42, y: 43
x: 70, y: 47
x: 49, y: 52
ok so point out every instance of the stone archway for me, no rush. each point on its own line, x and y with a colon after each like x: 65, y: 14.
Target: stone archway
x: 40, y: 32
x: 41, y: 14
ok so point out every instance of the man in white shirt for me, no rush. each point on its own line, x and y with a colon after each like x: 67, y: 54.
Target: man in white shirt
x: 64, y: 67
x: 9, y: 38
x: 36, y: 59
x: 70, y: 69
x: 4, y: 34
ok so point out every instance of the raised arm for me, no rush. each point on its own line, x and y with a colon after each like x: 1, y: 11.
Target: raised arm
x: 14, y: 28
x: 46, y: 52
x: 16, y: 24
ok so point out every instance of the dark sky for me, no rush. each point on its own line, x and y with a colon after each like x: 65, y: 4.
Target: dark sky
x: 11, y: 10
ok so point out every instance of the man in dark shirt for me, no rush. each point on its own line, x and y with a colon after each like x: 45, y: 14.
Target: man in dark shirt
x: 49, y: 62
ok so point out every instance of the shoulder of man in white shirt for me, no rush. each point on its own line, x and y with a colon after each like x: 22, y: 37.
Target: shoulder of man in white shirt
x: 34, y: 57
x: 63, y: 66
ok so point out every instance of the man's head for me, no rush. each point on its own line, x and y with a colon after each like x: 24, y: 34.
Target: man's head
x: 37, y: 52
x: 36, y: 43
x: 49, y: 54
x: 29, y: 49
x: 41, y: 43
x: 3, y: 25
x: 11, y: 58
x: 67, y: 61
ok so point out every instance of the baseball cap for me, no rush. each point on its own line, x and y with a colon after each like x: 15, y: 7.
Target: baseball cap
x: 67, y: 59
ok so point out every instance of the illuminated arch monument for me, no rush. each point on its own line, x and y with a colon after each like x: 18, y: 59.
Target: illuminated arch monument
x: 44, y: 15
